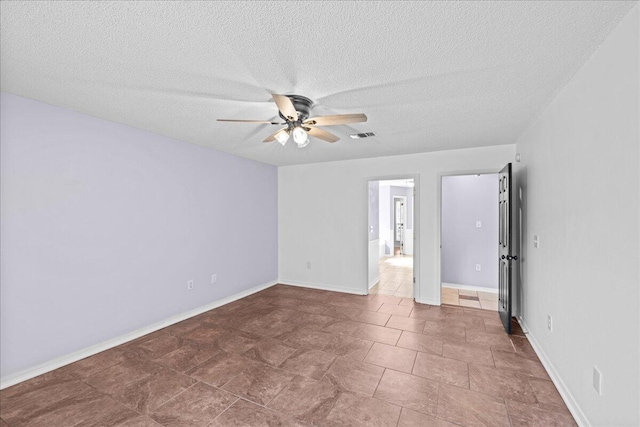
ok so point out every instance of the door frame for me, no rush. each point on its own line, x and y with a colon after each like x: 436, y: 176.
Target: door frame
x: 416, y: 229
x: 404, y: 226
x: 439, y: 220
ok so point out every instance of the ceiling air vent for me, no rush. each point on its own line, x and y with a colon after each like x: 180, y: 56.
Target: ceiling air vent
x: 362, y: 135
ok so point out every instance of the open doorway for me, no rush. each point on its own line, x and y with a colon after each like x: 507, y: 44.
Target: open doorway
x: 469, y: 229
x: 391, y: 237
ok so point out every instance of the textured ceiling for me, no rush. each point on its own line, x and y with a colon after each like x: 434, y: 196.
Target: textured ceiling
x: 429, y: 75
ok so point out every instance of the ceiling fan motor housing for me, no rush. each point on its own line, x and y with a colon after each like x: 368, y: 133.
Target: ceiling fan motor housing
x: 302, y: 105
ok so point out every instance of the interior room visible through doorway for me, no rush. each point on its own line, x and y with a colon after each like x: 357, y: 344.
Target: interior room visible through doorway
x: 391, y: 237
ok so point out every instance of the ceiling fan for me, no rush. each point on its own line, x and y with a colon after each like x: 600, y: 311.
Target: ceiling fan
x: 294, y: 110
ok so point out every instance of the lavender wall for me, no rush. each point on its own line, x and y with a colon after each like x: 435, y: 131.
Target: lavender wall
x: 103, y: 224
x: 374, y: 210
x: 465, y: 200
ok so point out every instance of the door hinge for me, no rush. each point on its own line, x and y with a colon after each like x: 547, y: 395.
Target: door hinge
x: 414, y: 280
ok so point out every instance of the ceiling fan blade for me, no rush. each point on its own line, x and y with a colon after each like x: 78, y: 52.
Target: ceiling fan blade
x: 272, y: 137
x: 322, y: 134
x: 338, y: 119
x: 249, y: 121
x: 257, y: 129
x: 285, y: 106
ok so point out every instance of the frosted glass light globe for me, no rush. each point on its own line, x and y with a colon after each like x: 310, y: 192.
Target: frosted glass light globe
x: 282, y: 137
x: 300, y: 137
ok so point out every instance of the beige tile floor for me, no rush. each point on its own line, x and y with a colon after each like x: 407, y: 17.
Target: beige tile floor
x: 396, y: 277
x: 473, y: 299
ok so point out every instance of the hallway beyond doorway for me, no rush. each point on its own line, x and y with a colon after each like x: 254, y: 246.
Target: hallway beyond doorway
x: 396, y: 277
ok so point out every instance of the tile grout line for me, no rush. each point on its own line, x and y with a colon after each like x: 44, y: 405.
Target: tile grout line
x: 438, y: 400
x: 127, y: 406
x: 506, y: 407
x: 167, y: 401
x: 255, y: 403
x: 110, y: 396
x: 413, y: 365
x: 225, y: 410
x: 334, y: 403
x: 273, y: 409
x: 280, y: 391
x: 384, y: 370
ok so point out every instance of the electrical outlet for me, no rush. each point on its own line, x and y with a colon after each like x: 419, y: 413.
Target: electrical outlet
x: 190, y: 285
x: 597, y: 380
x: 478, y: 267
x: 549, y: 323
x: 309, y: 264
x: 536, y: 241
x: 214, y: 279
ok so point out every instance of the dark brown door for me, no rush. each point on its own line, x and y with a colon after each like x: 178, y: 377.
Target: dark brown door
x: 505, y: 256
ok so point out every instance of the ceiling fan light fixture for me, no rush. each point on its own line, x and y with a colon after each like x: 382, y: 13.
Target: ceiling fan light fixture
x: 282, y: 137
x: 300, y: 137
x: 294, y: 110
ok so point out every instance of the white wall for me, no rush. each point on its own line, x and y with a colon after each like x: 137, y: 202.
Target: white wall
x: 579, y: 183
x: 374, y: 210
x: 103, y: 224
x: 374, y: 262
x: 408, y: 241
x: 323, y: 215
x: 385, y: 219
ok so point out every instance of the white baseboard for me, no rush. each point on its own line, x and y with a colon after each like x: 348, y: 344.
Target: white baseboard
x: 374, y: 282
x: 61, y: 361
x: 427, y: 301
x: 321, y: 286
x: 566, y: 395
x: 469, y: 287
